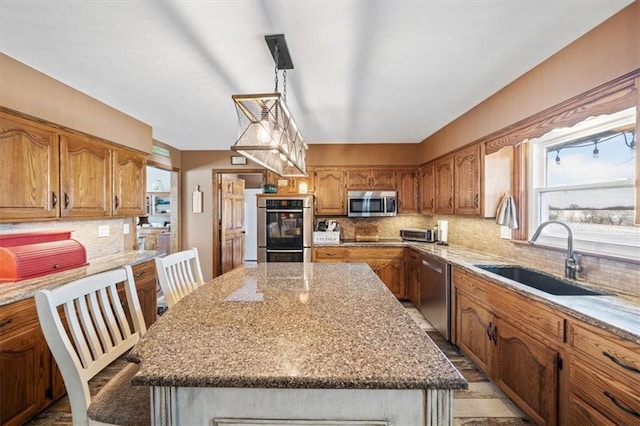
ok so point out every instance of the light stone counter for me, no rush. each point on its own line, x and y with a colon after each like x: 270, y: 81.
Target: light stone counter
x: 19, y: 290
x: 326, y: 337
x: 617, y: 314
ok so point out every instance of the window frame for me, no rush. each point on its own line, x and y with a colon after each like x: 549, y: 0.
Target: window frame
x: 608, y: 98
x: 538, y: 186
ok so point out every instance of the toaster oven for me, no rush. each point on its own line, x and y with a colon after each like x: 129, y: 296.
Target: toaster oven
x: 423, y: 235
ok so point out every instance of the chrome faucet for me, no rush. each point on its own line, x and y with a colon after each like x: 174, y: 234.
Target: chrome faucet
x: 572, y: 263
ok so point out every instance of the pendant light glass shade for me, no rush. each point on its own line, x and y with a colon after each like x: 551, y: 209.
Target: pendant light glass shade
x: 268, y: 135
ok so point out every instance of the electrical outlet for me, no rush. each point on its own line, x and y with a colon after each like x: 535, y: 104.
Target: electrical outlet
x: 103, y: 231
x: 505, y: 232
x: 125, y: 229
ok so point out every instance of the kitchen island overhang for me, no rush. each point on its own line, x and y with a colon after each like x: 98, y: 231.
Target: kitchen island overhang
x: 294, y: 342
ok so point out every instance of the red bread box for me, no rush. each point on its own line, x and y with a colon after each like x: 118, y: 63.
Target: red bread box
x: 33, y: 254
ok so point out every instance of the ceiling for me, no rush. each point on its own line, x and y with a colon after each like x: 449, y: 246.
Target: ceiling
x: 365, y: 71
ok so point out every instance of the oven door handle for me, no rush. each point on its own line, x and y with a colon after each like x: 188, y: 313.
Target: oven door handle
x: 283, y: 211
x: 285, y: 251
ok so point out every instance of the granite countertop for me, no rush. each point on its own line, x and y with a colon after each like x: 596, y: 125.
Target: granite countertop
x: 15, y: 291
x: 617, y: 314
x: 292, y: 325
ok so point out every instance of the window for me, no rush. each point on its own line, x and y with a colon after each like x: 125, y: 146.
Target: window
x: 585, y: 176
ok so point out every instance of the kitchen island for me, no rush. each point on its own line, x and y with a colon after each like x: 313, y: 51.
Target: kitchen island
x: 293, y: 343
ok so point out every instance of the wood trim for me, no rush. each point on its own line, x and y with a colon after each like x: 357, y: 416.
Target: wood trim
x: 610, y: 97
x: 216, y: 179
x: 521, y: 189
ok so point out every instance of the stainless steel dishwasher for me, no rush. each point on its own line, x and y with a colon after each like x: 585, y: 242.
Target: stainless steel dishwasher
x: 435, y: 293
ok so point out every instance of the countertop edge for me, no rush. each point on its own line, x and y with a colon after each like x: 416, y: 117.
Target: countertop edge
x: 20, y: 290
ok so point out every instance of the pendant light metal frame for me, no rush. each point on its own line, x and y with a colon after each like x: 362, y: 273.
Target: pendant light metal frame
x: 267, y: 133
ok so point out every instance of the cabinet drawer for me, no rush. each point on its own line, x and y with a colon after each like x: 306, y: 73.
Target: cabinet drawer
x: 15, y: 317
x: 375, y: 252
x: 621, y: 356
x: 144, y: 272
x: 605, y: 393
x: 581, y: 413
x: 329, y: 253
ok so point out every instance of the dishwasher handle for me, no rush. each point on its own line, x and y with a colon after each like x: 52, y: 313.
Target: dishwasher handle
x: 431, y: 266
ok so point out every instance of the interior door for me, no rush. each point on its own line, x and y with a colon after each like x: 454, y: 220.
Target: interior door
x: 232, y: 223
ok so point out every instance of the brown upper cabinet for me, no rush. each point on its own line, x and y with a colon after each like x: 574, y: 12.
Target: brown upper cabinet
x: 129, y: 183
x: 407, y: 180
x: 451, y: 185
x: 85, y: 177
x: 371, y: 179
x: 330, y: 192
x: 443, y: 170
x: 48, y: 172
x: 466, y: 186
x: 29, y: 169
x: 427, y: 188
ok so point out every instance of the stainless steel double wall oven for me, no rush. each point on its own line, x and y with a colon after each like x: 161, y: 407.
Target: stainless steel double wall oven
x: 285, y: 228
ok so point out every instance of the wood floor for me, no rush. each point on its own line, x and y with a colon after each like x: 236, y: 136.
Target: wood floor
x: 483, y: 404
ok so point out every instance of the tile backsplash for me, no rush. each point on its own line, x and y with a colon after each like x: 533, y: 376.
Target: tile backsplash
x: 84, y: 231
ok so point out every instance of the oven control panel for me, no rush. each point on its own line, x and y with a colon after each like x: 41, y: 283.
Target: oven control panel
x: 284, y: 203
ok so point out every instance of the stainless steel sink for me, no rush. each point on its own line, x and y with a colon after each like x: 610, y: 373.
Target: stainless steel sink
x: 538, y: 280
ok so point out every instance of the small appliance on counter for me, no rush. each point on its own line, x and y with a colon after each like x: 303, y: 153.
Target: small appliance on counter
x: 34, y: 254
x: 422, y: 235
x: 443, y: 232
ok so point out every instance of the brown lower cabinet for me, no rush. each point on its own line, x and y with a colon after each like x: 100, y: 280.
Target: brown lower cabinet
x: 386, y: 262
x: 556, y: 368
x: 30, y: 379
x: 523, y: 361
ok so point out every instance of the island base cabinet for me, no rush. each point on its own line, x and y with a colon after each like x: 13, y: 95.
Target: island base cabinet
x: 474, y: 326
x: 271, y: 407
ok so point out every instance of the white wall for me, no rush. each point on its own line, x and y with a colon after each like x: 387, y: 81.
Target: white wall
x: 250, y: 225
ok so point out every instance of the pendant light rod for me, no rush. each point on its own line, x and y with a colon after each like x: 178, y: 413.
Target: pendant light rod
x: 280, y: 55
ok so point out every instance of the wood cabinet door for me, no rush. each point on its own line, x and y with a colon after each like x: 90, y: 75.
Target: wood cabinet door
x: 391, y: 272
x: 413, y: 280
x: 526, y: 370
x: 85, y: 177
x: 232, y: 223
x: 330, y: 193
x: 358, y: 179
x: 29, y: 170
x: 473, y: 325
x: 146, y: 286
x: 407, y: 180
x: 129, y: 183
x: 23, y: 382
x: 467, y: 181
x: 444, y: 186
x: 383, y: 179
x: 427, y: 189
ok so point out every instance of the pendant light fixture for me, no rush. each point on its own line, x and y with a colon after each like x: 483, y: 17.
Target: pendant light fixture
x: 267, y: 133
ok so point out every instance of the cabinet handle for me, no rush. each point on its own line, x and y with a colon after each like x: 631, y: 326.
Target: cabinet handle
x: 450, y: 201
x: 475, y: 201
x: 620, y: 405
x: 488, y: 328
x: 620, y: 363
x: 5, y: 322
x: 54, y: 199
x: 139, y: 274
x: 117, y: 202
x: 330, y: 254
x: 431, y: 203
x: 494, y: 336
x: 66, y: 200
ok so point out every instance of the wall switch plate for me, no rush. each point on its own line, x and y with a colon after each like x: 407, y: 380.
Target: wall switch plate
x: 125, y: 228
x: 505, y: 232
x: 283, y: 182
x: 103, y: 231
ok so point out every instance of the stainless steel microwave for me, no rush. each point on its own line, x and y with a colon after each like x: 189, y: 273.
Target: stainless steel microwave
x: 371, y: 203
